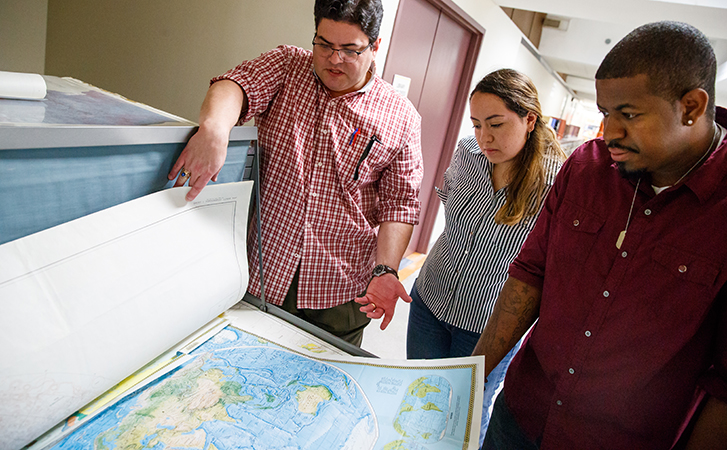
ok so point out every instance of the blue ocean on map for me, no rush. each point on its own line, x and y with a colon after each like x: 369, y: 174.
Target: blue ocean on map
x: 243, y: 392
x: 259, y: 396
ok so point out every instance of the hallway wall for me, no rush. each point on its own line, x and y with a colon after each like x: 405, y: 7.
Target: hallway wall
x: 22, y: 35
x: 163, y: 52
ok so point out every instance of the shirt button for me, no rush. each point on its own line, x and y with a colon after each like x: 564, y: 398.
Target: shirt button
x: 308, y: 225
x: 571, y: 371
x: 295, y: 255
x: 647, y: 212
x: 588, y: 334
x: 606, y: 293
x: 682, y: 268
x: 320, y: 164
x: 624, y: 254
x: 576, y: 223
x: 558, y: 402
x: 314, y: 194
x: 466, y: 252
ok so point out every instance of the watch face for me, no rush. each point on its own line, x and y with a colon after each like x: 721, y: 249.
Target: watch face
x: 382, y: 269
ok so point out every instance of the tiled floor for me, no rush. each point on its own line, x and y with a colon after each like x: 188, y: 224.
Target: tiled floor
x: 391, y: 343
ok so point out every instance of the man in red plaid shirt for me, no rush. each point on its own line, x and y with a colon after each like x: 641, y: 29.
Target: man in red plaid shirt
x: 341, y: 169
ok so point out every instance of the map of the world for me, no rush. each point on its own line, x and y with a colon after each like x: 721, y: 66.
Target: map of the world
x: 242, y: 392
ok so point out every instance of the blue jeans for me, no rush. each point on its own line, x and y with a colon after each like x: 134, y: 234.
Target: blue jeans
x: 430, y: 338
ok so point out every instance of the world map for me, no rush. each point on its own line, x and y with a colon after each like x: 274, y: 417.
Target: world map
x: 243, y: 392
x: 423, y: 412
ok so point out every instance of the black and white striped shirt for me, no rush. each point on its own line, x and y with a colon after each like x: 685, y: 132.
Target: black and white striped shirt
x: 467, y: 267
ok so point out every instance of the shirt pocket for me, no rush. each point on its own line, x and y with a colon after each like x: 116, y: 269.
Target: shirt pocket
x: 361, y: 163
x: 575, y: 232
x: 679, y: 283
x: 685, y: 266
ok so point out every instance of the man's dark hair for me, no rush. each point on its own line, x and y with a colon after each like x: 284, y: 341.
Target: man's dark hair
x: 675, y: 56
x: 365, y: 13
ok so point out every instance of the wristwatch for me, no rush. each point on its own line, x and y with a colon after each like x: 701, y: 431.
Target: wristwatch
x: 383, y: 269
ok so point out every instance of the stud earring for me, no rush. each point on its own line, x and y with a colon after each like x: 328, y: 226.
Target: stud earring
x: 690, y: 122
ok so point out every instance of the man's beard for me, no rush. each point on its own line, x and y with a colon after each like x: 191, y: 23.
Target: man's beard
x: 633, y: 175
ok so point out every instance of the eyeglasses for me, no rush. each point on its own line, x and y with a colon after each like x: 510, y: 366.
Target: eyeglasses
x: 346, y: 55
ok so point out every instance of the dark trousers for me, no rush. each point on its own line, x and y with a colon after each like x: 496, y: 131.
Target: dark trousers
x: 504, y: 433
x: 344, y: 321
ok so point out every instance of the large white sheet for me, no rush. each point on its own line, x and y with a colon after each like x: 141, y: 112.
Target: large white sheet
x: 85, y: 304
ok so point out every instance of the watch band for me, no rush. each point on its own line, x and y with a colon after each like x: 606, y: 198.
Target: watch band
x: 383, y: 269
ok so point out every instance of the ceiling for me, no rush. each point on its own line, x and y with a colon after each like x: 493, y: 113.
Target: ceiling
x: 589, y: 29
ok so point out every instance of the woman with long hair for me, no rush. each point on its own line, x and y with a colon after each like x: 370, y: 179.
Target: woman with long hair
x: 492, y: 195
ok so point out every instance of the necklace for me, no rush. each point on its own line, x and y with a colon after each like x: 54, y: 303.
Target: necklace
x: 622, y: 235
x: 709, y: 149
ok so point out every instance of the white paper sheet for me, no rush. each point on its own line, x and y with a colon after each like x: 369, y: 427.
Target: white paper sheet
x: 26, y: 86
x: 85, y: 304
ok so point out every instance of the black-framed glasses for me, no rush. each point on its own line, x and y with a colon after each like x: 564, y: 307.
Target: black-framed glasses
x: 346, y: 55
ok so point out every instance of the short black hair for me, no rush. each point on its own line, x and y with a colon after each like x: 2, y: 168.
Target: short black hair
x: 675, y: 56
x: 365, y: 13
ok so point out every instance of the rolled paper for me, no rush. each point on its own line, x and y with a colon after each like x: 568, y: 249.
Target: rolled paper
x: 26, y: 86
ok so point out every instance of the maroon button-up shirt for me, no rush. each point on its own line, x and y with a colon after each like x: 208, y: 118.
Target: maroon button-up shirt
x: 626, y: 337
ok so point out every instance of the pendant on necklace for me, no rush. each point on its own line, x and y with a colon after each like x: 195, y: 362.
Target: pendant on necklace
x: 622, y: 235
x: 620, y: 239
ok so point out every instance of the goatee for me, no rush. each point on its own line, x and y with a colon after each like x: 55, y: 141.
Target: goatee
x: 632, y: 175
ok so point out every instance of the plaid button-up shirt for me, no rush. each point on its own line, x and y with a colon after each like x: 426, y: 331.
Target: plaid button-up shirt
x: 315, y: 213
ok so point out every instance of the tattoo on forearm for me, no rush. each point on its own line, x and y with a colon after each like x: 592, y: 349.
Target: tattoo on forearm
x: 521, y: 301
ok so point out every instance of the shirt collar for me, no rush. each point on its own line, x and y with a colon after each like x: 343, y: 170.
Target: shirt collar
x: 367, y: 86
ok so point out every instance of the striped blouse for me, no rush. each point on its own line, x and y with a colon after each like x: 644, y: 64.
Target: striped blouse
x: 467, y: 267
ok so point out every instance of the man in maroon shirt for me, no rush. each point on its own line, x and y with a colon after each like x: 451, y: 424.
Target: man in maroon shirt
x: 626, y: 269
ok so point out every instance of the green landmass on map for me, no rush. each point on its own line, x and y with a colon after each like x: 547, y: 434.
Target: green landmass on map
x: 398, y: 428
x: 395, y: 445
x: 401, y: 444
x: 174, y: 410
x: 431, y: 407
x: 422, y: 414
x: 420, y: 389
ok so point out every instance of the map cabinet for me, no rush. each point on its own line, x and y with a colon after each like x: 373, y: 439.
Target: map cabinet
x: 82, y: 149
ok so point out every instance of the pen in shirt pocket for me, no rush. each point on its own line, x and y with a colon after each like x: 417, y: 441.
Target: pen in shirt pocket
x: 365, y: 154
x: 353, y: 137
